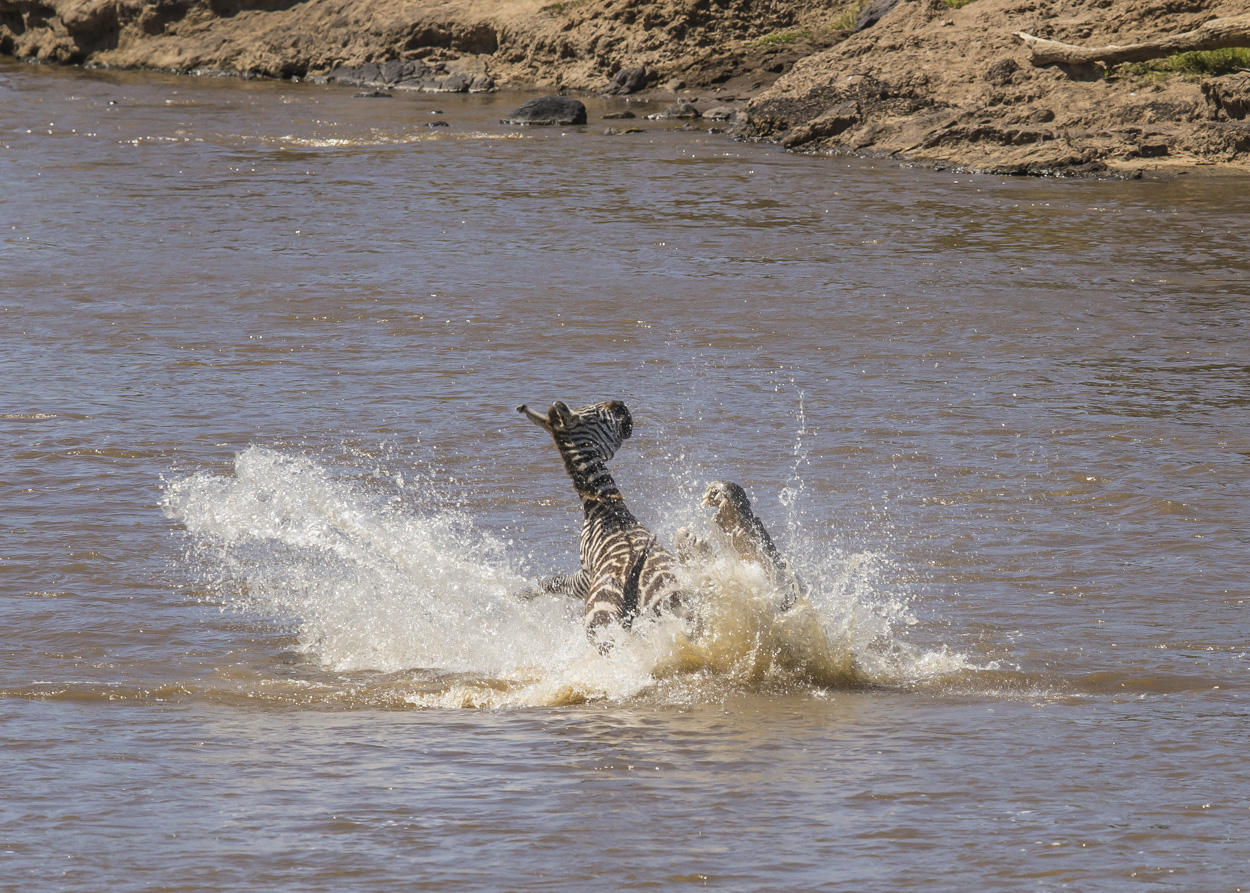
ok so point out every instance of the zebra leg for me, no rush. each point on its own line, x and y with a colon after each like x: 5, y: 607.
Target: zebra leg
x: 659, y: 591
x: 605, y: 605
x: 573, y: 585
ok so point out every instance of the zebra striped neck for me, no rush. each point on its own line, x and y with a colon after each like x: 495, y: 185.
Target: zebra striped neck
x: 590, y: 476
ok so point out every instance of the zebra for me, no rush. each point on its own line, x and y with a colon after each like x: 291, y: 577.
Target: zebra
x: 625, y: 573
x: 742, y: 531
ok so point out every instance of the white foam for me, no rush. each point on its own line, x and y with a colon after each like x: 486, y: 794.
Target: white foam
x: 367, y: 585
x: 380, y: 138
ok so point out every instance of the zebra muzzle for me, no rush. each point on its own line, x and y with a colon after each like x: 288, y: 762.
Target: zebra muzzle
x: 537, y: 419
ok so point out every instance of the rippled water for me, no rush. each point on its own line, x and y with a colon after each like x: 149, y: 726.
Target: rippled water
x: 267, y: 506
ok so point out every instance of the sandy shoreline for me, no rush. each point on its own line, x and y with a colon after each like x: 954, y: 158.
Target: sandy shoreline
x: 926, y: 84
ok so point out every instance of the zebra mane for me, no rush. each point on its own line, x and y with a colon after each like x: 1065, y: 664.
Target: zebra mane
x: 586, y: 438
x: 624, y: 571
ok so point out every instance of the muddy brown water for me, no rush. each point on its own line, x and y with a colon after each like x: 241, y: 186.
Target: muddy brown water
x: 266, y: 503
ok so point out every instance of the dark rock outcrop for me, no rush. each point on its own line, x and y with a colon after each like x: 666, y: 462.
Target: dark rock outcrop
x: 459, y: 76
x: 678, y: 110
x: 956, y: 88
x: 873, y: 13
x: 836, y: 120
x: 947, y: 85
x: 1228, y: 97
x: 628, y: 80
x: 549, y: 110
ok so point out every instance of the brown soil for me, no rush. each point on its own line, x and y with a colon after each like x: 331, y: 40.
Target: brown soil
x: 955, y: 87
x: 926, y: 83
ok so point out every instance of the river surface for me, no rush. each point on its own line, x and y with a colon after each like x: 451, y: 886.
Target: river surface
x: 268, y: 506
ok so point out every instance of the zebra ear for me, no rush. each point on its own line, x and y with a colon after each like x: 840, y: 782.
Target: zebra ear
x: 625, y: 417
x: 559, y: 415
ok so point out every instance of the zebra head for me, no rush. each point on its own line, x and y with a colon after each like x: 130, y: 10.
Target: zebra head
x: 596, y: 430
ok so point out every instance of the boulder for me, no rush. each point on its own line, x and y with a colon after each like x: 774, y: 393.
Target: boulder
x: 464, y: 75
x: 1001, y: 71
x: 873, y: 13
x: 678, y: 110
x: 1228, y: 97
x: 627, y: 80
x: 832, y: 122
x: 549, y: 110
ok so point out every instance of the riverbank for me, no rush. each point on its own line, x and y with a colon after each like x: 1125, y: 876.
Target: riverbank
x: 927, y: 83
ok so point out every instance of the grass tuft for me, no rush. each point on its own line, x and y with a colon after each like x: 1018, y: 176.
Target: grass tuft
x: 1204, y: 63
x: 779, y: 39
x: 850, y: 15
x: 563, y: 6
x: 783, y: 38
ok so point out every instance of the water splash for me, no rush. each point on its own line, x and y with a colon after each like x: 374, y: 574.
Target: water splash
x: 423, y: 606
x: 382, y: 138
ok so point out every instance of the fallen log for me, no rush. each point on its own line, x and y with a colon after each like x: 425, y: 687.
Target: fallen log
x: 1217, y: 34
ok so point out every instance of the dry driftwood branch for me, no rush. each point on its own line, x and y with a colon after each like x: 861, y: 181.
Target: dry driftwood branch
x: 1217, y: 34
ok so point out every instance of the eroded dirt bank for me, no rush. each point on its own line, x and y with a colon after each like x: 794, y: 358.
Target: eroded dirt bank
x: 925, y: 83
x: 576, y: 45
x: 955, y: 86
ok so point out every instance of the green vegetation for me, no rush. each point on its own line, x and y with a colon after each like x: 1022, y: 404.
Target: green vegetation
x: 850, y: 15
x: 1205, y: 63
x: 782, y: 38
x: 779, y: 38
x: 563, y: 6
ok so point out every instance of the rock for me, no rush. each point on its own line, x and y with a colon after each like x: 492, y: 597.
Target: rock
x: 438, y: 124
x: 627, y: 80
x: 548, y: 110
x: 453, y: 83
x: 463, y: 75
x: 832, y: 122
x: 720, y: 113
x: 1001, y: 71
x: 678, y: 110
x: 921, y: 66
x: 1228, y: 97
x: 873, y: 13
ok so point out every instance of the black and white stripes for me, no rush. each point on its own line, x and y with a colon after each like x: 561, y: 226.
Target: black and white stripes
x: 625, y: 572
